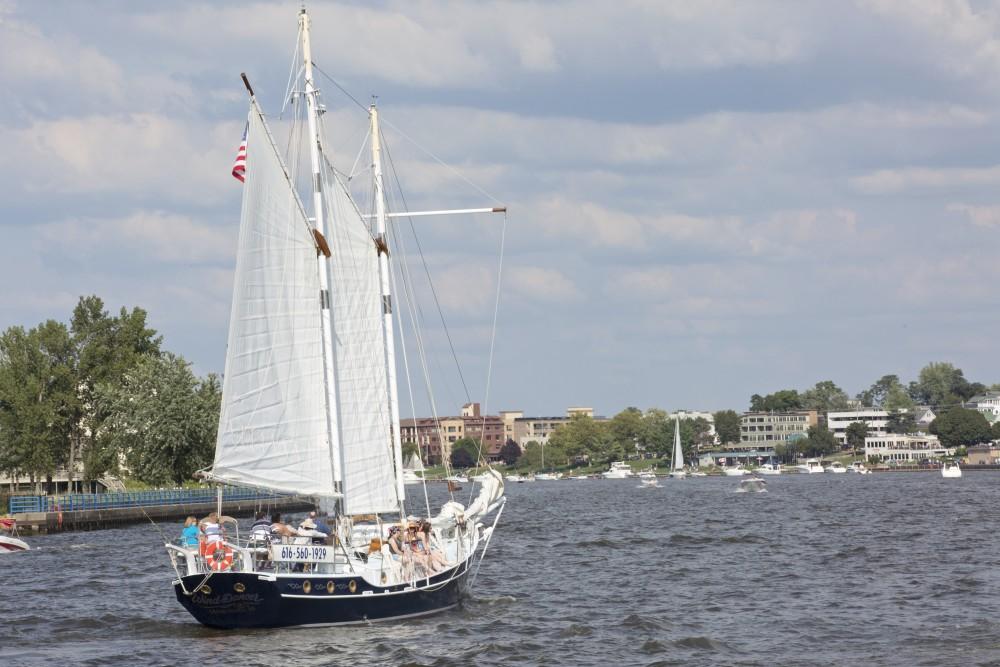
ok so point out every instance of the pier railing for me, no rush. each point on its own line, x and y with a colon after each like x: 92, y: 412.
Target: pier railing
x: 126, y: 499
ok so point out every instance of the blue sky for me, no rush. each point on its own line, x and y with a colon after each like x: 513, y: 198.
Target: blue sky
x: 708, y: 200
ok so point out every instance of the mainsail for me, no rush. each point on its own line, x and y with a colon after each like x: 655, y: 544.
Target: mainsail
x: 363, y: 419
x: 272, y: 428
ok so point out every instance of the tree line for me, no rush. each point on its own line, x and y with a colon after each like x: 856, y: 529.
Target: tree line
x: 101, y: 392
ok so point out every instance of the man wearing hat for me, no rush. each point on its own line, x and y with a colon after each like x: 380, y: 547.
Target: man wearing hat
x: 308, y: 529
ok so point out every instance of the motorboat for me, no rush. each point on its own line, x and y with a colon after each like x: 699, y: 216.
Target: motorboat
x: 951, y: 470
x: 649, y: 483
x: 548, y: 476
x: 697, y: 473
x: 859, y: 468
x: 618, y: 470
x: 811, y: 466
x: 752, y: 485
x: 457, y: 479
x: 769, y: 469
x: 735, y: 471
x: 10, y: 541
x: 514, y: 477
x: 647, y: 474
x: 836, y: 467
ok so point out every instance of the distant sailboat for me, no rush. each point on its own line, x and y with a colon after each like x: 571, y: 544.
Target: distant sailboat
x: 677, y: 461
x: 413, y: 466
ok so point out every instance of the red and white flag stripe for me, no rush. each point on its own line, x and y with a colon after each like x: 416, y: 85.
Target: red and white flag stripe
x: 240, y: 166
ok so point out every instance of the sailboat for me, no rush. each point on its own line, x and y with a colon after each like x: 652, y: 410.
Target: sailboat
x: 413, y: 466
x: 677, y: 462
x: 310, y: 407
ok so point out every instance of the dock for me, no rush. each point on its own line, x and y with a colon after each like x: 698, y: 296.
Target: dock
x: 51, y: 514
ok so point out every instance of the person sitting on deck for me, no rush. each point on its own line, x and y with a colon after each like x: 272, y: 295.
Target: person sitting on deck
x: 260, y: 529
x: 322, y: 526
x: 435, y: 558
x: 398, y: 550
x: 279, y: 529
x: 309, y: 529
x: 190, y: 534
x: 211, y: 528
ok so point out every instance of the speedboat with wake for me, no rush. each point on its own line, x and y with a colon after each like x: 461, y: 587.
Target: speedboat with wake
x: 951, y: 470
x: 9, y: 540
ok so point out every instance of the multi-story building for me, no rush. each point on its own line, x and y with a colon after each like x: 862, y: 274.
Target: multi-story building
x: 539, y: 429
x: 436, y: 436
x: 875, y: 420
x: 694, y: 414
x: 775, y: 427
x: 988, y: 403
x: 900, y: 447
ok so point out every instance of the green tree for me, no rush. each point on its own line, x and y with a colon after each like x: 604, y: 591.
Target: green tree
x: 627, y: 431
x: 461, y: 458
x: 961, y: 427
x: 779, y: 401
x: 37, y: 398
x: 901, y: 421
x: 106, y: 349
x: 727, y: 426
x: 532, y: 456
x: 941, y: 385
x: 824, y: 396
x: 161, y: 420
x: 510, y: 452
x: 819, y: 441
x: 580, y: 436
x: 409, y: 449
x: 658, y: 431
x: 995, y: 430
x: 875, y: 396
x: 856, y: 433
x: 471, y: 446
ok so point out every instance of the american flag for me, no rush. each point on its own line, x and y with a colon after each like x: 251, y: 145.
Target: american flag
x: 240, y: 166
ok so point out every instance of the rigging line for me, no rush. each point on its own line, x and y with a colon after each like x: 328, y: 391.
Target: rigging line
x: 354, y: 166
x: 414, y: 312
x: 493, y: 338
x: 342, y: 89
x: 409, y: 385
x: 442, y: 162
x: 423, y: 259
x: 293, y: 74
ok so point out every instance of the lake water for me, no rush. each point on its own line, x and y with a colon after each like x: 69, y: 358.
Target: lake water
x: 886, y: 569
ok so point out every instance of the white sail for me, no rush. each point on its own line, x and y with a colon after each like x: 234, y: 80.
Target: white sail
x: 414, y: 464
x: 272, y: 428
x: 678, y: 462
x: 368, y: 466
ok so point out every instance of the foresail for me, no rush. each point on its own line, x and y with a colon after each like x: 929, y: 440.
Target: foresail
x: 272, y: 429
x: 364, y: 423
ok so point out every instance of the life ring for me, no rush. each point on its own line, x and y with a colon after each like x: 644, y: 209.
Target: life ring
x: 219, y: 556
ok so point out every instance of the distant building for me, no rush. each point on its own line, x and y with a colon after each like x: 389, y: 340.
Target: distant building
x: 900, y: 447
x: 875, y: 420
x: 978, y: 455
x: 435, y: 437
x: 775, y: 427
x: 694, y: 414
x: 987, y: 403
x: 523, y: 430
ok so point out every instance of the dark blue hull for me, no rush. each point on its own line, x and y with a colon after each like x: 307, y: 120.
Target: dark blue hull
x: 255, y: 600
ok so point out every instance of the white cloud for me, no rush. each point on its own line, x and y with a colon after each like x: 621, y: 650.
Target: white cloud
x: 541, y: 284
x: 980, y: 216
x: 894, y: 181
x: 157, y: 235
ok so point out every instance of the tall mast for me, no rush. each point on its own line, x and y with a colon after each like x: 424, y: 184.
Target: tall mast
x: 312, y: 104
x: 382, y: 243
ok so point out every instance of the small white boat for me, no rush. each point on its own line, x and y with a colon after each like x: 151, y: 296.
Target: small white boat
x: 514, y: 477
x: 10, y: 542
x: 859, y: 468
x: 752, y: 485
x: 951, y: 470
x: 458, y: 479
x: 769, y: 469
x: 649, y: 483
x: 735, y: 471
x: 618, y: 470
x: 836, y: 467
x: 811, y: 466
x: 578, y: 477
x: 548, y: 476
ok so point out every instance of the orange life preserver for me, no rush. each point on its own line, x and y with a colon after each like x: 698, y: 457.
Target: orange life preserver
x: 219, y: 556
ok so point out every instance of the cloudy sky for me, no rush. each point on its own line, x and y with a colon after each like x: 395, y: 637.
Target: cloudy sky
x: 707, y: 199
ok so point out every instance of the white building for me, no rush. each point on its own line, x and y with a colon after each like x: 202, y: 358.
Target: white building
x: 898, y: 447
x: 987, y: 403
x: 875, y: 419
x: 694, y: 414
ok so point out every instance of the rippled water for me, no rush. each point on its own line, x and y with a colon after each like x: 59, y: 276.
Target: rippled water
x: 888, y: 569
